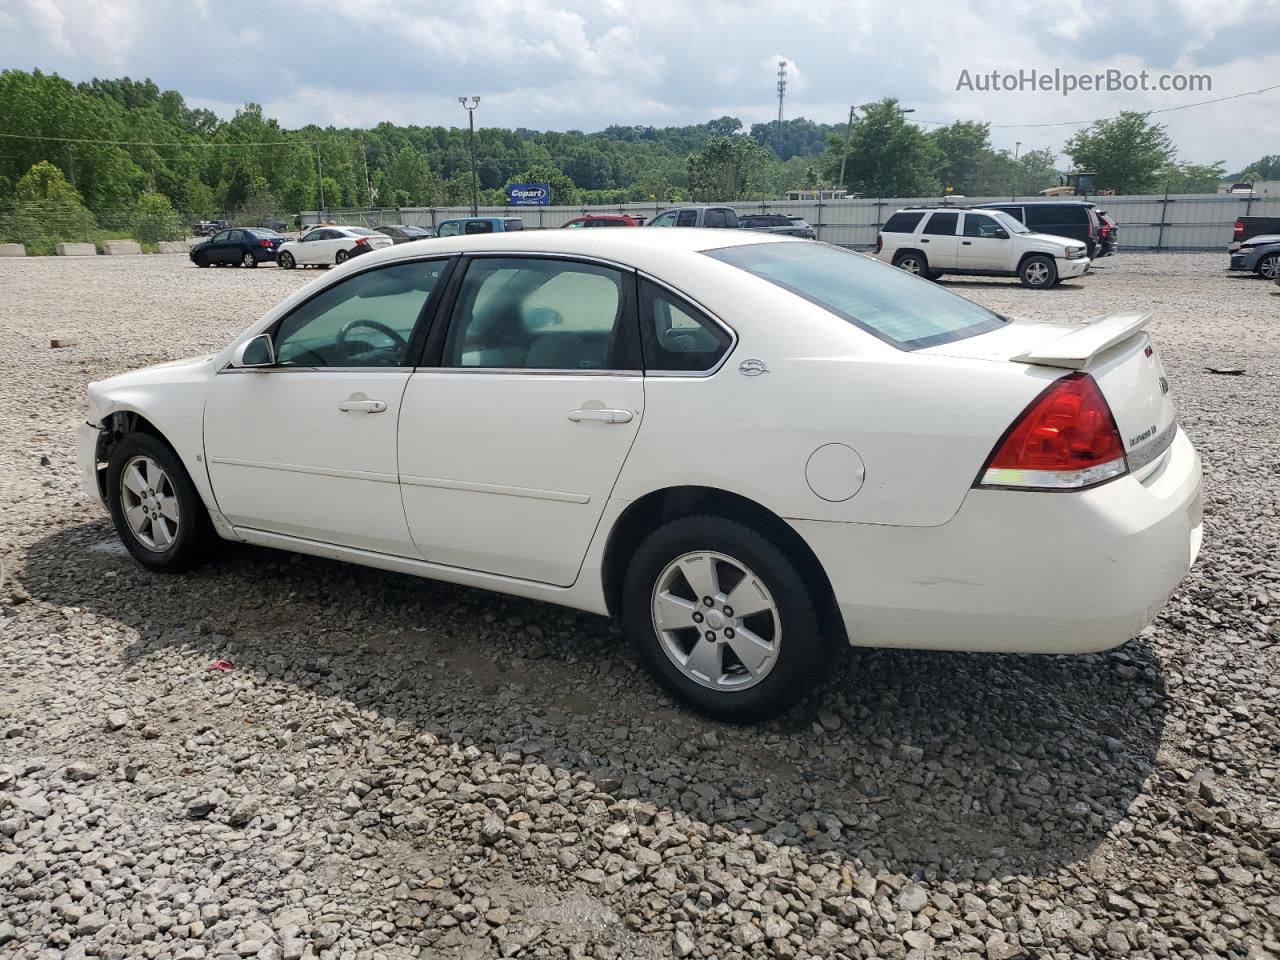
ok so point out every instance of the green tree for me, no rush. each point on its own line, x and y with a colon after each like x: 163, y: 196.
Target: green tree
x: 965, y: 150
x: 1127, y: 153
x: 1264, y: 168
x: 155, y: 219
x: 48, y: 210
x: 727, y: 168
x: 1193, y: 177
x: 408, y: 176
x: 45, y: 182
x: 887, y: 156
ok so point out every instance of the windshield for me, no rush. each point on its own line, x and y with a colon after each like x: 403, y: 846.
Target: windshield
x: 900, y: 309
x: 1010, y: 223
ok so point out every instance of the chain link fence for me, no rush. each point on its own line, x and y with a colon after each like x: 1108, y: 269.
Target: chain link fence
x: 41, y: 225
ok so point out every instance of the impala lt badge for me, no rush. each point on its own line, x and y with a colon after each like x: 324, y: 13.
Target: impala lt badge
x: 752, y: 367
x: 1164, y: 385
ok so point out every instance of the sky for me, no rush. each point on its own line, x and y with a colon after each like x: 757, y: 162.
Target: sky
x: 586, y: 65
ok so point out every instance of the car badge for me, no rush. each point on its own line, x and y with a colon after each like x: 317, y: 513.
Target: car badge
x: 1164, y: 385
x: 752, y: 367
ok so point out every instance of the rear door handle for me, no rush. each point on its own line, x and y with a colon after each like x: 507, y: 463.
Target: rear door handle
x: 924, y: 239
x: 966, y: 243
x: 605, y: 415
x: 362, y: 406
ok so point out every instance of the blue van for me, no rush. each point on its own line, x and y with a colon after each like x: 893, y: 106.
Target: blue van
x: 468, y: 225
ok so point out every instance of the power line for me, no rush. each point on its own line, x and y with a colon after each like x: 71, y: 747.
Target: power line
x: 152, y: 143
x: 1076, y: 123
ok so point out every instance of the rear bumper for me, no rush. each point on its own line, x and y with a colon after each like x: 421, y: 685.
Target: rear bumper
x: 1021, y: 572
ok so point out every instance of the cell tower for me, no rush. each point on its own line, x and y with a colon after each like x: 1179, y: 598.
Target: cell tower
x: 782, y: 90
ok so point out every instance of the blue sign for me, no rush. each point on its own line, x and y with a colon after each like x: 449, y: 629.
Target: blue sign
x: 529, y: 194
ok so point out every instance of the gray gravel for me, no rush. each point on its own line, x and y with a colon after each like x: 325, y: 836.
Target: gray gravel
x: 398, y: 768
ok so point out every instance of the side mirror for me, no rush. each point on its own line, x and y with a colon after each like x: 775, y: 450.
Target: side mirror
x: 258, y: 351
x: 1001, y: 234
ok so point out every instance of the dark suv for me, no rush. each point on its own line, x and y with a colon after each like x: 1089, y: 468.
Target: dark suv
x: 776, y: 223
x: 1073, y: 219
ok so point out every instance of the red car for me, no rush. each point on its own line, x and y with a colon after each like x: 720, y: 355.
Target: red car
x: 605, y: 220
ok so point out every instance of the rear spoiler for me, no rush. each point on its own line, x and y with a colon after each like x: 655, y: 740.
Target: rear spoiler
x: 1075, y: 349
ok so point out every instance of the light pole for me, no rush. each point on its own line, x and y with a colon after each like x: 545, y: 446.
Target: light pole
x: 471, y: 124
x: 1017, y: 145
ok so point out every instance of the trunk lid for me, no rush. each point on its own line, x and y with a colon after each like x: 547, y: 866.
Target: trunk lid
x: 1113, y: 349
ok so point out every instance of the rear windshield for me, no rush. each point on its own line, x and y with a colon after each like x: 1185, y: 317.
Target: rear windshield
x: 900, y: 309
x: 262, y: 234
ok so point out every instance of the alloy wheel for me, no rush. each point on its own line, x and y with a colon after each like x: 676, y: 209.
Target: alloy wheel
x: 716, y: 621
x: 150, y: 503
x: 1037, y: 273
x: 1270, y: 267
x: 909, y: 264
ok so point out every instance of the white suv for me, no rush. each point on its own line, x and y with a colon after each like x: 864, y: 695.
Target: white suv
x: 931, y: 242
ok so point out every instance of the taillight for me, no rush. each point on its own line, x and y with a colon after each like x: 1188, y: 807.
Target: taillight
x: 362, y: 242
x: 1239, y: 232
x: 264, y: 243
x: 879, y: 243
x: 1066, y: 439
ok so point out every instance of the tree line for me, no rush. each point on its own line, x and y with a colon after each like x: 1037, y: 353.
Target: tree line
x: 175, y: 159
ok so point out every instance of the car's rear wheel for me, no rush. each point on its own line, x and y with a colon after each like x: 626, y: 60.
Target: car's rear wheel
x: 248, y: 260
x: 912, y: 262
x: 286, y: 260
x: 155, y: 507
x: 342, y: 257
x: 1269, y: 266
x: 1038, y: 272
x: 723, y: 618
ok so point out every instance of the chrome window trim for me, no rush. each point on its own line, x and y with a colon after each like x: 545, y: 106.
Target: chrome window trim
x: 692, y: 374
x: 533, y: 371
x: 285, y: 369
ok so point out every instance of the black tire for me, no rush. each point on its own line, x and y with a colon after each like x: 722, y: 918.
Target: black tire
x: 200, y: 261
x: 194, y: 532
x: 1038, y: 272
x: 801, y: 659
x: 285, y: 261
x: 914, y: 262
x: 248, y: 259
x: 1269, y: 267
x: 341, y: 257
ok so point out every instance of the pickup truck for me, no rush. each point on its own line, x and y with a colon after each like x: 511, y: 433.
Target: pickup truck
x: 1247, y: 227
x: 697, y: 217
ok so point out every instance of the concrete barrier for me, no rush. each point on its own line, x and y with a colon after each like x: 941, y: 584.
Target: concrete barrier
x: 12, y: 250
x: 77, y: 250
x: 121, y: 248
x: 195, y: 241
x: 170, y: 246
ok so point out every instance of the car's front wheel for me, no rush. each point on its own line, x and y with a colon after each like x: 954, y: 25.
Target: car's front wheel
x: 248, y: 260
x: 286, y: 261
x: 722, y: 617
x: 155, y: 507
x: 1038, y: 272
x: 1269, y: 266
x: 200, y: 260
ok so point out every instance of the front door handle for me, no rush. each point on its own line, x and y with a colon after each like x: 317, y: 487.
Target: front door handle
x: 966, y: 243
x: 362, y: 406
x: 604, y: 415
x: 924, y: 239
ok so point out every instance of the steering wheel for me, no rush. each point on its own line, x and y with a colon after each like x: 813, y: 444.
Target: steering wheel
x: 341, y: 343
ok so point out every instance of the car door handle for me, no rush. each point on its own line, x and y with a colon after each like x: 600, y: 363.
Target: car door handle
x: 604, y: 415
x: 362, y: 406
x: 966, y: 243
x: 924, y: 239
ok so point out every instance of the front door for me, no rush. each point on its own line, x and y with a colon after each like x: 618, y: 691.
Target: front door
x: 307, y: 447
x: 222, y: 248
x: 938, y: 239
x: 513, y: 434
x: 984, y: 244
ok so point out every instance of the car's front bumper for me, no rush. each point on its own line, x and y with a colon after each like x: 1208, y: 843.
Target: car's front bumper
x: 87, y: 459
x: 1021, y: 572
x: 1075, y: 267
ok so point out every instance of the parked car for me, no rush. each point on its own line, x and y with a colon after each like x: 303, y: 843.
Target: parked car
x: 239, y: 246
x: 988, y: 242
x: 602, y: 220
x: 1074, y: 219
x: 697, y: 217
x: 328, y: 246
x: 1260, y: 255
x: 465, y: 226
x: 403, y: 233
x: 207, y: 228
x: 1108, y: 235
x: 1246, y: 228
x: 777, y: 223
x: 690, y: 484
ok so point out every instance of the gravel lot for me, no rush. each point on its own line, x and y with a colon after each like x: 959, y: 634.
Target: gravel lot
x: 398, y: 768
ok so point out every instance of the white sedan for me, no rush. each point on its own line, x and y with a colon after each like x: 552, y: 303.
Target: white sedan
x: 748, y: 447
x: 328, y: 246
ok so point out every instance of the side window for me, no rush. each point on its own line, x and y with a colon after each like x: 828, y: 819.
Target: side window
x: 1041, y: 216
x: 448, y: 229
x: 687, y: 218
x: 478, y: 226
x: 666, y: 220
x: 364, y: 321
x: 980, y: 225
x: 676, y: 335
x: 222, y: 237
x: 1018, y: 213
x: 715, y: 218
x: 509, y: 225
x: 532, y: 314
x: 902, y: 222
x: 942, y: 225
x: 576, y: 224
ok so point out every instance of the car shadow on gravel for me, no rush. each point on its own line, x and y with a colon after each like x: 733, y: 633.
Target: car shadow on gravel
x: 941, y: 766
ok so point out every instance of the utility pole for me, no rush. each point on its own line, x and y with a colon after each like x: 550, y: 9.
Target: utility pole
x: 364, y: 154
x: 1013, y: 194
x: 320, y: 177
x: 848, y: 145
x: 782, y: 92
x: 471, y: 124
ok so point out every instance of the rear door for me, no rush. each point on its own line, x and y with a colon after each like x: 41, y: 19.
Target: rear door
x: 938, y: 239
x: 514, y: 431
